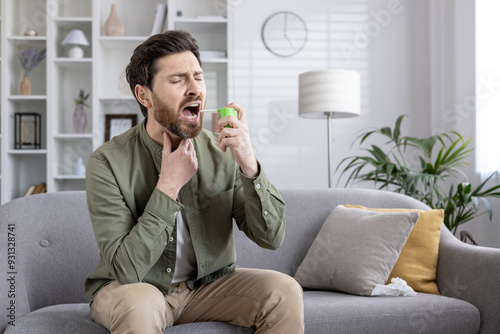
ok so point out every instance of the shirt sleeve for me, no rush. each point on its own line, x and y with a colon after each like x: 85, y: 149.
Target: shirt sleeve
x: 129, y: 245
x: 259, y: 210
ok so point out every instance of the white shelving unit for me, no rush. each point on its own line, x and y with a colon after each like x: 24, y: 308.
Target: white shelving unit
x: 57, y: 80
x: 2, y: 30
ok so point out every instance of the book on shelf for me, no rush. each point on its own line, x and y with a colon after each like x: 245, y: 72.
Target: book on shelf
x: 36, y: 189
x: 158, y: 18
x: 40, y: 188
x: 30, y: 190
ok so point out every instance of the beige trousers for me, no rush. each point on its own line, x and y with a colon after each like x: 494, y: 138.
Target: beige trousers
x: 269, y: 300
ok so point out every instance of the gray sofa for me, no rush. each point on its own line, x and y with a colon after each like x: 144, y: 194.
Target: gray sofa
x: 55, y: 249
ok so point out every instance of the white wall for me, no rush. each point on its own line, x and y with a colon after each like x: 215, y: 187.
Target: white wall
x: 418, y: 60
x: 386, y: 41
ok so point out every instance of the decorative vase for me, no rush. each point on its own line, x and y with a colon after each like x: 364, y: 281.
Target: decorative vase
x: 26, y: 86
x: 79, y: 167
x: 113, y: 25
x: 79, y: 118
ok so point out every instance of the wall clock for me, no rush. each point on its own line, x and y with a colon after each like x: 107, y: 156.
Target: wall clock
x: 284, y: 34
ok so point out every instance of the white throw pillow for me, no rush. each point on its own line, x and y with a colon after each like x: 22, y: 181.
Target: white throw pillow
x: 355, y: 250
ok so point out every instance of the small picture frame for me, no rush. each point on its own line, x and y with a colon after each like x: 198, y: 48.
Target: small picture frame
x: 116, y: 124
x: 27, y: 131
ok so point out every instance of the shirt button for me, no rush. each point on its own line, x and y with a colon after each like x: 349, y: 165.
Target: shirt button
x: 165, y: 243
x: 171, y: 239
x: 168, y: 270
x: 257, y: 186
x: 265, y: 212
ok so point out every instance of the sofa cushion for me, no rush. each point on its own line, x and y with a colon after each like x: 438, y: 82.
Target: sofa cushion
x: 355, y: 250
x: 58, y: 319
x: 417, y: 262
x: 323, y: 311
x: 76, y: 318
x: 336, y: 312
x: 306, y: 211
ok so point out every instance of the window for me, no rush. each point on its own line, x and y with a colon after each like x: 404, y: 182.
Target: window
x: 487, y: 86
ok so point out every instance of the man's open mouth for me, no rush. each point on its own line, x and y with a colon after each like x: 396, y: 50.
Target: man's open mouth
x: 191, y: 111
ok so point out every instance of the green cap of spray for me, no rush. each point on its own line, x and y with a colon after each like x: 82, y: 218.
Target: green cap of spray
x: 224, y: 112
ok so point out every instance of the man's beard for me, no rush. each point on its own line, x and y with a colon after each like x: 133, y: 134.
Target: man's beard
x: 170, y: 119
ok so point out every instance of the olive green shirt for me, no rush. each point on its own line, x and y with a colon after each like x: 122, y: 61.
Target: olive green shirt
x: 135, y: 223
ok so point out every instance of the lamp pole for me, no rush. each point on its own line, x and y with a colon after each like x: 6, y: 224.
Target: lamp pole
x: 329, y: 93
x: 329, y: 133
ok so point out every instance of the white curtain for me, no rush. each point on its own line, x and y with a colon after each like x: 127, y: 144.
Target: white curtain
x: 488, y: 86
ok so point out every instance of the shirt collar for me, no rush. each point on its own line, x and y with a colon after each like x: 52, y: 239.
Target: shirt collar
x: 154, y: 148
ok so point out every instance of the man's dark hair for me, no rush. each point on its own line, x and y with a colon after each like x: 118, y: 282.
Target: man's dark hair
x: 142, y: 67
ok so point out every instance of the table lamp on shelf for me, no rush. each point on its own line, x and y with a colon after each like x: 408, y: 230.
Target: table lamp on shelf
x: 329, y: 94
x: 75, y: 38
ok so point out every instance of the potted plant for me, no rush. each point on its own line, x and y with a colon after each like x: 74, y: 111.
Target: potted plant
x: 29, y: 59
x: 79, y: 115
x: 431, y: 180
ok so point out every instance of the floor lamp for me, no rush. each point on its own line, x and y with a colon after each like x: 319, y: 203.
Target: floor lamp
x: 329, y: 94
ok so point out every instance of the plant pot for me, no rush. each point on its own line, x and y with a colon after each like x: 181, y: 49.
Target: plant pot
x: 79, y: 118
x: 26, y: 86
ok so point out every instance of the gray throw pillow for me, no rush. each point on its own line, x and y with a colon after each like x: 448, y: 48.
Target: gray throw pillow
x: 355, y: 250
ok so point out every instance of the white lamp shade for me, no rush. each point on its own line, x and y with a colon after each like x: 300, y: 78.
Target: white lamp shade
x: 75, y: 37
x: 337, y: 92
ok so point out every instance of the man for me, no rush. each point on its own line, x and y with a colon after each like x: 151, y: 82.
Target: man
x: 162, y: 197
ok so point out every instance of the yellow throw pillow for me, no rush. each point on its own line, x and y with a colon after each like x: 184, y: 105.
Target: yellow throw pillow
x: 417, y: 262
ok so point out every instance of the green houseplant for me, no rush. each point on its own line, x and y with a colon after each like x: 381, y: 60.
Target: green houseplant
x: 431, y: 180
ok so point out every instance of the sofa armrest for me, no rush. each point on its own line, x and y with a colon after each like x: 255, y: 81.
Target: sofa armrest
x: 471, y: 273
x: 14, y: 300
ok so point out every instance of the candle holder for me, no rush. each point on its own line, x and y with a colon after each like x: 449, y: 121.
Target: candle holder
x: 27, y: 132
